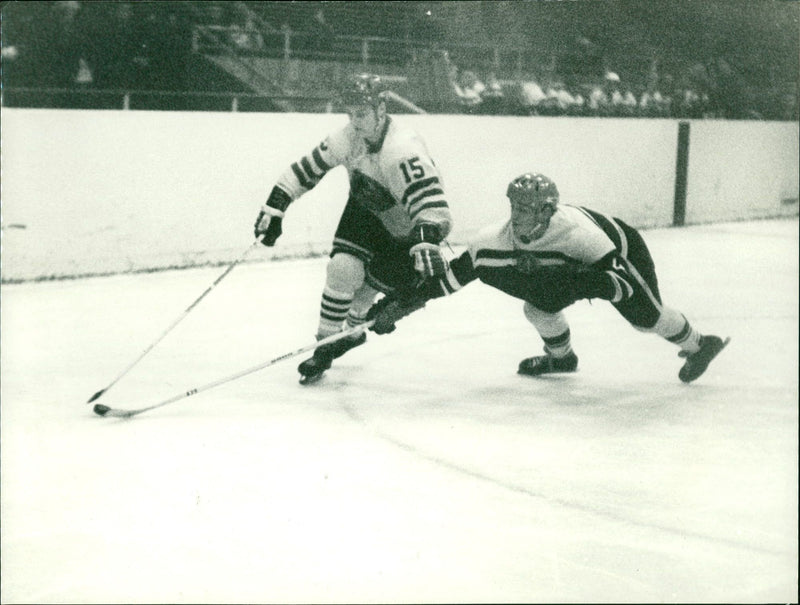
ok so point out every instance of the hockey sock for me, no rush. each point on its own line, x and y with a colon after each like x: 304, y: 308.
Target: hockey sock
x: 674, y: 327
x: 354, y: 320
x: 553, y: 329
x: 333, y: 311
x: 558, y: 346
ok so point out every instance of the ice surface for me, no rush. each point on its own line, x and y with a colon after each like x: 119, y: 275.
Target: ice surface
x: 422, y: 468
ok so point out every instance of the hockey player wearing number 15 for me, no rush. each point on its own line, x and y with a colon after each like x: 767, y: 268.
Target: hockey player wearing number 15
x: 395, y: 218
x: 550, y: 255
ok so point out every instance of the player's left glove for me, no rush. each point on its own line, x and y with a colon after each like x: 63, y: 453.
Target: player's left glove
x: 391, y: 309
x: 269, y: 223
x: 428, y: 259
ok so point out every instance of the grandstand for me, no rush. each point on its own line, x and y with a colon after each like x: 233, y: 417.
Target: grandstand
x: 290, y: 56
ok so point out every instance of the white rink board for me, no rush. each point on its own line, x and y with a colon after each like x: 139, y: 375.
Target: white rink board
x: 116, y: 191
x: 742, y: 170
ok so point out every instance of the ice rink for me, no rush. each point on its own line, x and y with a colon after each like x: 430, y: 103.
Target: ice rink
x: 422, y: 468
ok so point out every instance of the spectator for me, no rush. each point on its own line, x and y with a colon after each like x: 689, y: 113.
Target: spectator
x: 468, y: 89
x: 693, y: 104
x: 246, y: 37
x: 19, y: 47
x: 559, y: 100
x: 652, y: 103
x: 531, y: 97
x: 582, y: 63
x: 578, y: 107
x: 599, y: 103
x: 624, y: 101
x: 58, y: 44
x: 493, y: 97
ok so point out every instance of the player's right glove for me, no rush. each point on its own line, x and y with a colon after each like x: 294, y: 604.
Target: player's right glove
x: 269, y: 223
x: 391, y: 309
x: 428, y: 259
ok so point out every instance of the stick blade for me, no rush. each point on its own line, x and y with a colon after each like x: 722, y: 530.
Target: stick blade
x: 100, y: 409
x: 104, y: 410
x: 96, y: 396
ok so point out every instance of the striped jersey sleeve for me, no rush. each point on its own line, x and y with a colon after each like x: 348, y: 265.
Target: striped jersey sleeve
x: 304, y: 174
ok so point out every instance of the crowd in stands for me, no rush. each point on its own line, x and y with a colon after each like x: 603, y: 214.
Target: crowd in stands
x: 72, y: 44
x: 711, y: 90
x: 146, y: 46
x: 550, y: 96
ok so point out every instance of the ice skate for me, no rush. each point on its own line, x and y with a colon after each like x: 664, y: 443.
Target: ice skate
x: 697, y: 362
x: 312, y: 369
x: 547, y: 364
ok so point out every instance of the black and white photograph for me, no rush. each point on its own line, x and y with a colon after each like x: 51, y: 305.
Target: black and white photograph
x: 486, y: 301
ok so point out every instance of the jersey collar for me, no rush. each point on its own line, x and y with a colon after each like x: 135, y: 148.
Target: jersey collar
x: 378, y: 145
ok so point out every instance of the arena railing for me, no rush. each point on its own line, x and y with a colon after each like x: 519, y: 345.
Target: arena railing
x: 129, y: 99
x: 124, y: 99
x: 510, y: 61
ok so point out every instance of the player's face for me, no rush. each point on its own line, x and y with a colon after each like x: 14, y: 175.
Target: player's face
x: 528, y: 221
x: 366, y: 119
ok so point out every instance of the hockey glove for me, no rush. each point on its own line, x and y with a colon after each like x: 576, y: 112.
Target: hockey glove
x: 391, y: 309
x: 269, y: 222
x: 428, y: 259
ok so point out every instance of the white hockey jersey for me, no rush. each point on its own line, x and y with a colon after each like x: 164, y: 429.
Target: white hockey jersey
x: 576, y: 235
x: 396, y: 178
x: 573, y: 236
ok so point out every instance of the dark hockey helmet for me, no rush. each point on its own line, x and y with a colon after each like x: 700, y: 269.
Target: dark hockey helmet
x: 363, y: 89
x: 533, y: 189
x: 533, y: 200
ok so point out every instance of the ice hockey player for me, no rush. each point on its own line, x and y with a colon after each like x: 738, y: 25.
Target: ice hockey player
x: 392, y: 225
x: 550, y: 255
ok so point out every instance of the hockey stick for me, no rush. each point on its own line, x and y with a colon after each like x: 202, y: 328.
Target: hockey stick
x: 104, y: 410
x: 180, y: 318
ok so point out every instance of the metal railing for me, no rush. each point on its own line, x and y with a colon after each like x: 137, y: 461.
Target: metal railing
x: 368, y: 51
x: 129, y: 99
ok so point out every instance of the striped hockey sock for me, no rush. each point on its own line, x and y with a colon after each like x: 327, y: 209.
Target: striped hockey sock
x: 354, y: 320
x: 333, y: 311
x: 558, y: 346
x: 687, y: 338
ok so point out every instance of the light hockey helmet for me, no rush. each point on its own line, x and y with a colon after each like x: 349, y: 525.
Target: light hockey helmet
x: 533, y: 200
x: 363, y: 89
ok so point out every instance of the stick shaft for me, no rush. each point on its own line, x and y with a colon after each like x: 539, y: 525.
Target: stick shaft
x: 333, y: 338
x: 178, y: 320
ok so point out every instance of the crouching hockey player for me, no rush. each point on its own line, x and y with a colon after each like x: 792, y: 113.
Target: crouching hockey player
x: 550, y: 255
x: 391, y: 227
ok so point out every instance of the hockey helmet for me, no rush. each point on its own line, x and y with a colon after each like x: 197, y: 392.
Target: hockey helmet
x: 533, y: 200
x: 363, y: 89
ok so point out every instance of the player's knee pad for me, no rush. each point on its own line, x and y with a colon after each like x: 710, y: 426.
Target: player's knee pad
x: 345, y: 272
x: 547, y: 324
